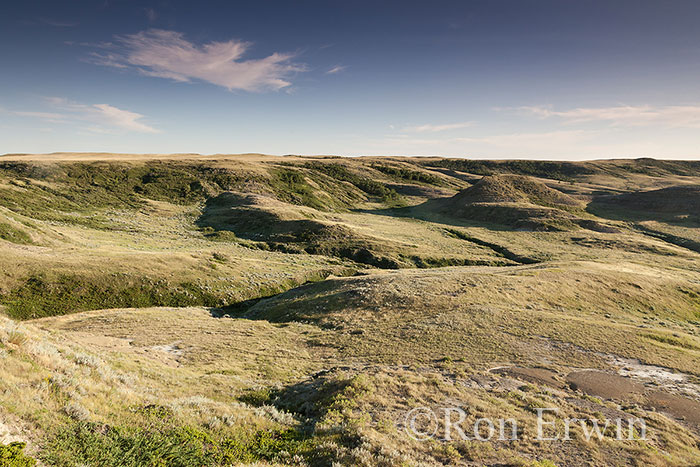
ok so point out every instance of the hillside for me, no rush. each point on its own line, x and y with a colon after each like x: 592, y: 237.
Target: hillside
x: 258, y: 310
x: 521, y: 203
x: 683, y: 200
x: 512, y: 189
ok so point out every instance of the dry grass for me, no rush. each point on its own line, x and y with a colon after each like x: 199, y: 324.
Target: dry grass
x: 326, y: 370
x: 562, y: 313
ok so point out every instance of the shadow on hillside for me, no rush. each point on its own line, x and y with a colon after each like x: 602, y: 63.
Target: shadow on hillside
x: 237, y: 309
x: 224, y: 218
x: 673, y: 204
x: 603, y: 208
x: 306, y: 305
x: 433, y: 210
x: 678, y: 212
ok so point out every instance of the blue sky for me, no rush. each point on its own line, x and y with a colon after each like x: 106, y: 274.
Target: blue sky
x: 484, y: 79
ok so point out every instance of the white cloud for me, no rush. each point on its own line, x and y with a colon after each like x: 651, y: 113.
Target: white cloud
x: 336, y: 69
x: 429, y: 128
x: 675, y: 116
x: 167, y: 54
x: 103, y: 118
x: 119, y: 118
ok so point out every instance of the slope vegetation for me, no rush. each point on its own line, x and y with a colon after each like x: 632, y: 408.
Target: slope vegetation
x: 194, y: 310
x: 519, y: 202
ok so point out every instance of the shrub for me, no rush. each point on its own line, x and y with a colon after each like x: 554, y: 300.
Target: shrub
x: 76, y: 411
x: 291, y: 186
x: 12, y: 455
x: 94, y: 444
x: 257, y: 397
x: 409, y: 175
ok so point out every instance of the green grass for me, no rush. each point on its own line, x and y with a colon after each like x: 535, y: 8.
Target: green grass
x: 13, y: 234
x: 162, y: 444
x: 371, y: 187
x: 44, y: 295
x: 425, y: 262
x: 50, y: 193
x: 405, y: 174
x: 258, y: 397
x: 671, y: 340
x: 547, y: 169
x: 291, y: 186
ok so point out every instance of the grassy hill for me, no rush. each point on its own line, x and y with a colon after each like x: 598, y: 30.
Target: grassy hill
x: 256, y: 310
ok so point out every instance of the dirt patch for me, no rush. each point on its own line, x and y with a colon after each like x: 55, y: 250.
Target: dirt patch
x: 6, y: 435
x: 680, y: 407
x: 621, y: 388
x: 108, y: 343
x: 10, y: 432
x: 174, y: 349
x: 662, y: 378
x: 601, y: 384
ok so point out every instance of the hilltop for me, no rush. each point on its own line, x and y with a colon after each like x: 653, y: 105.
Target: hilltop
x: 520, y: 202
x: 512, y: 189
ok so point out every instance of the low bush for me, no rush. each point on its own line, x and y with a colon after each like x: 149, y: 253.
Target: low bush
x: 12, y: 455
x: 160, y: 445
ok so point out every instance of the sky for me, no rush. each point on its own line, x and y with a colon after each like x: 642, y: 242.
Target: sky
x: 525, y: 79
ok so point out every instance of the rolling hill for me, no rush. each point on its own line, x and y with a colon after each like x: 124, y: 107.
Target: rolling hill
x: 259, y: 310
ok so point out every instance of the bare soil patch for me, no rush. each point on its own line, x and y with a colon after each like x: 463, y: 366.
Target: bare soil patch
x: 606, y: 385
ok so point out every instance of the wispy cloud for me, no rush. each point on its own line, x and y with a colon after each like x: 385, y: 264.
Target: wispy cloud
x: 679, y: 116
x: 102, y: 118
x: 430, y: 128
x: 532, y: 140
x: 49, y: 116
x: 167, y: 54
x: 336, y: 69
x: 572, y: 143
x: 119, y: 118
x: 567, y: 144
x: 507, y: 140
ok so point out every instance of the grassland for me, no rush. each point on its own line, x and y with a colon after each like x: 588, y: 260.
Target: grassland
x: 255, y: 310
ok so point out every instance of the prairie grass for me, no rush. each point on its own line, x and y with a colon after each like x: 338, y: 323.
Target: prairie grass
x: 264, y: 311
